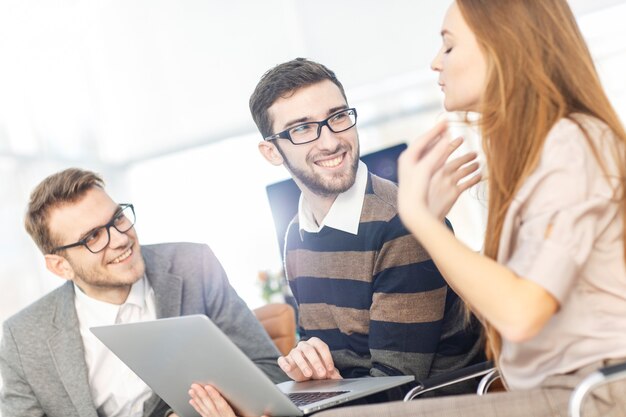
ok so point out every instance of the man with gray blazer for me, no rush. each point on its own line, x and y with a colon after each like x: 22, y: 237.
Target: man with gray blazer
x: 50, y: 362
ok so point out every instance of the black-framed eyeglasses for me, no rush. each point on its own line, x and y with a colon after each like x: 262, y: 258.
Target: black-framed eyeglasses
x: 97, y: 239
x: 310, y: 131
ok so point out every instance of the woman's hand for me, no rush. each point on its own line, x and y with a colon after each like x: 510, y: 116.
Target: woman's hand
x: 446, y: 186
x: 428, y: 185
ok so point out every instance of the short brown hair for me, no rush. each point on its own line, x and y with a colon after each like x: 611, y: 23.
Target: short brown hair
x: 62, y: 187
x: 281, y: 81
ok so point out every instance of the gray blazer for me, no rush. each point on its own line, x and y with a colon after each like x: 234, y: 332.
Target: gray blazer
x: 42, y: 358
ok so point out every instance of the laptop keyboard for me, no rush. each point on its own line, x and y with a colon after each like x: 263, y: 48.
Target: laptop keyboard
x: 305, y: 398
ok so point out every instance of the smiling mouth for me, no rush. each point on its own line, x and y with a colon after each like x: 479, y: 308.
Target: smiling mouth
x: 123, y: 256
x: 331, y: 163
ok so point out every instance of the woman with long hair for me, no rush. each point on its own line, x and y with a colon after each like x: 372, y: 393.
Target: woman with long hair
x: 550, y: 287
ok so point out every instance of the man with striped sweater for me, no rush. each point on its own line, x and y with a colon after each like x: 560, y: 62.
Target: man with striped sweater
x: 370, y: 299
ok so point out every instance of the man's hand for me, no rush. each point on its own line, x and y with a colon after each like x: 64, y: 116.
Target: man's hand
x: 310, y: 359
x: 208, y: 402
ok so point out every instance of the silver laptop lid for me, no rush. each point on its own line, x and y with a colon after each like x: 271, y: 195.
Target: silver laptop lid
x: 170, y: 354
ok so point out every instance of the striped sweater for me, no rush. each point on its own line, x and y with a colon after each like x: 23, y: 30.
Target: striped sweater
x: 376, y: 298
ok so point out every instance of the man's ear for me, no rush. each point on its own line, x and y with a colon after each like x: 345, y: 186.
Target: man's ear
x: 59, y: 266
x: 270, y: 152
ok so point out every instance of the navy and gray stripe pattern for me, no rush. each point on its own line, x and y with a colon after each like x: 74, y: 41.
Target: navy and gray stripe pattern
x: 376, y: 298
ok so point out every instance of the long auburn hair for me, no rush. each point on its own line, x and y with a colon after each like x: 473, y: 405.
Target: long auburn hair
x: 539, y: 71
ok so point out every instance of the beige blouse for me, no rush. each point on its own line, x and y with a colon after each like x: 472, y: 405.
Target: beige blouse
x: 564, y: 231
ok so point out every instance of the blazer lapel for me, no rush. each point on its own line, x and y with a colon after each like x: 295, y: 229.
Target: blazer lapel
x: 168, y: 288
x: 66, y: 347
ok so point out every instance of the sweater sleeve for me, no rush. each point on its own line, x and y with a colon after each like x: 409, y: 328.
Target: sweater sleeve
x: 406, y: 315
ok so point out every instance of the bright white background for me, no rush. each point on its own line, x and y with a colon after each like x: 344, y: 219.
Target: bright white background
x: 153, y: 94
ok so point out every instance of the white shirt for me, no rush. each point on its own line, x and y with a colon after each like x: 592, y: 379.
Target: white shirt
x: 344, y: 214
x: 115, y: 389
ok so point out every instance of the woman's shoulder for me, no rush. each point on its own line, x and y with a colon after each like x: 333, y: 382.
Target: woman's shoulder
x: 578, y: 129
x: 573, y: 164
x: 574, y: 137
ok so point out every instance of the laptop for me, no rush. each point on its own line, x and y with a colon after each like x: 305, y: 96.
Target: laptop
x: 170, y: 354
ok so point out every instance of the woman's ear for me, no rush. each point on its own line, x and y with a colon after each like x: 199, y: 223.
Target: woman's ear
x: 270, y: 152
x: 59, y: 266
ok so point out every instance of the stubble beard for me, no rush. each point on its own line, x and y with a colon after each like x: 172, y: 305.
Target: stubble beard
x: 97, y: 277
x: 324, y: 186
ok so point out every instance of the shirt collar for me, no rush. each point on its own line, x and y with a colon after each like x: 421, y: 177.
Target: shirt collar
x: 95, y: 312
x: 344, y: 214
x: 138, y: 293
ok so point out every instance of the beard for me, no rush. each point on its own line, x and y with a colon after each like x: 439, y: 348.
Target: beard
x: 325, y: 186
x: 98, y: 277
